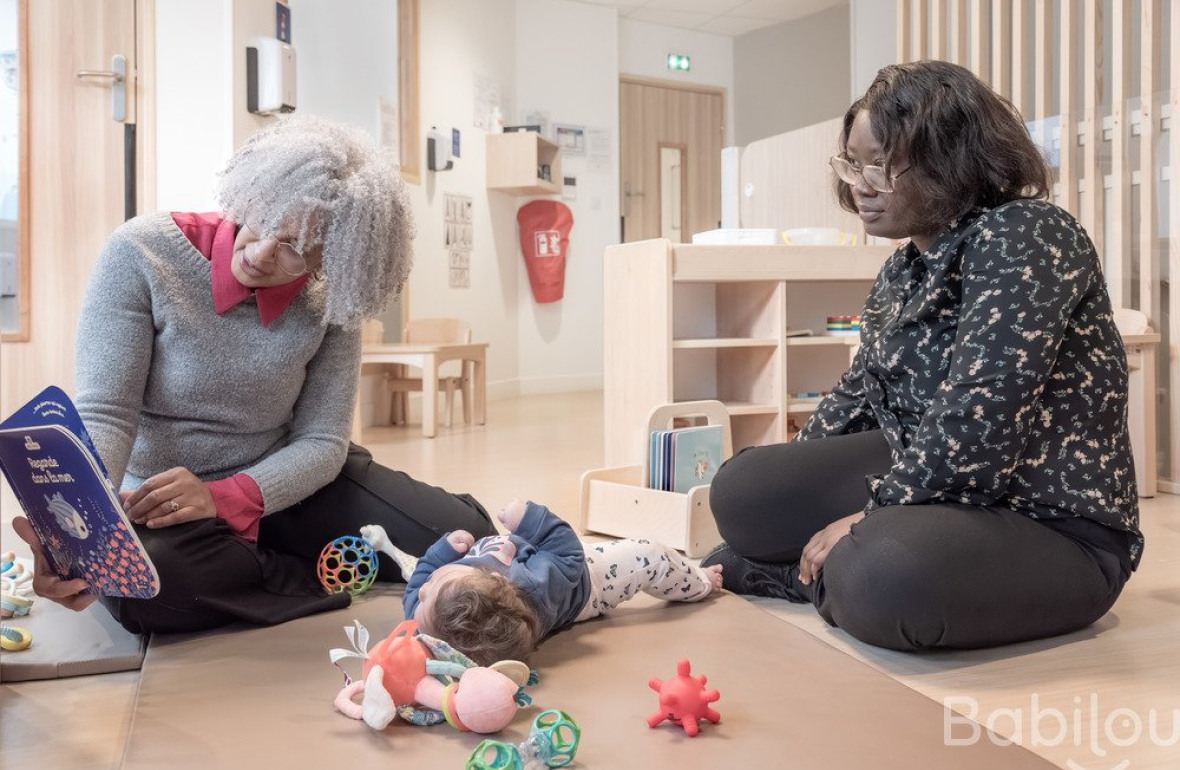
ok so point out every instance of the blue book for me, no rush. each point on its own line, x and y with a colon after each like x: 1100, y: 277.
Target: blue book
x: 54, y: 469
x: 696, y: 456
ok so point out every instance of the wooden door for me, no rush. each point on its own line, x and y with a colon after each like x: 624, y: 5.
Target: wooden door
x: 655, y: 115
x: 80, y: 186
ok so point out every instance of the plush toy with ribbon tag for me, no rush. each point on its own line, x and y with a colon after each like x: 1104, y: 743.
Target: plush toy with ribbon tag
x: 545, y: 240
x: 425, y: 681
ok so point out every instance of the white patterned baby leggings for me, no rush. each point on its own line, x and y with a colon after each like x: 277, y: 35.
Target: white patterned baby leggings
x: 625, y: 568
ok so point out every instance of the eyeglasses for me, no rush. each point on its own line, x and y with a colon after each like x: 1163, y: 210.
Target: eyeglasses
x: 290, y: 260
x: 875, y: 177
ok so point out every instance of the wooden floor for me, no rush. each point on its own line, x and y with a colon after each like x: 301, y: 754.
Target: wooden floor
x: 537, y: 447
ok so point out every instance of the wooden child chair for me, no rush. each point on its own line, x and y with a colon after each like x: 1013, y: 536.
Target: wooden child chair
x: 434, y: 331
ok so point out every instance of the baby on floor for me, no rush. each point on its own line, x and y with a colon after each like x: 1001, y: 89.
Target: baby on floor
x: 495, y: 599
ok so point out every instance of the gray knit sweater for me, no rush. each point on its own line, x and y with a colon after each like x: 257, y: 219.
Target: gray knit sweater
x: 163, y: 381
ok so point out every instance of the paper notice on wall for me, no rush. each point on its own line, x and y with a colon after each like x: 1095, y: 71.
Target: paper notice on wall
x: 458, y: 238
x: 598, y: 154
x: 570, y: 139
x: 390, y: 127
x: 460, y: 278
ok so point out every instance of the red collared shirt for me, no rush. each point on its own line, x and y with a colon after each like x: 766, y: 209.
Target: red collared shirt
x: 238, y: 499
x: 213, y: 235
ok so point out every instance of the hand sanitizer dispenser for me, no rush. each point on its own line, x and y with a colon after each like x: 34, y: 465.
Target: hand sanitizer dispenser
x: 270, y: 76
x: 438, y: 150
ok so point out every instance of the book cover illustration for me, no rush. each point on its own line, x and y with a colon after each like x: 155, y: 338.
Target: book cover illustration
x: 59, y: 480
x: 696, y: 456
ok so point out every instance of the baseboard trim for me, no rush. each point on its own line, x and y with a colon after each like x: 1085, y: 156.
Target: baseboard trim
x: 569, y: 383
x: 499, y: 390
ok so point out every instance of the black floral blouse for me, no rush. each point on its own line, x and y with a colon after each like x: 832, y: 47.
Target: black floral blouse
x: 992, y: 364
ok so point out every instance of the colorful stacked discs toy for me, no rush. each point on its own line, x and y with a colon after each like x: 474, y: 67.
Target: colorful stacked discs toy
x: 347, y: 563
x: 844, y: 324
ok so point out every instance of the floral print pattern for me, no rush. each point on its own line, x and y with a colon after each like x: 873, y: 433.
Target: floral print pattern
x: 992, y: 364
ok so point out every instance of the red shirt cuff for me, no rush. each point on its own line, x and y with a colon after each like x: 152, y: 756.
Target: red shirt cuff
x: 239, y: 501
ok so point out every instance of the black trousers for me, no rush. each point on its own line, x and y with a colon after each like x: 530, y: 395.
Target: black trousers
x: 210, y: 577
x: 916, y: 576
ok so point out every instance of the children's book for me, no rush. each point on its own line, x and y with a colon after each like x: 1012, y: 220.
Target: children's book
x: 53, y: 467
x: 683, y: 458
x: 697, y: 456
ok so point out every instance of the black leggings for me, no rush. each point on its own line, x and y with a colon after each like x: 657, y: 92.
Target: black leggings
x: 210, y: 577
x: 916, y: 576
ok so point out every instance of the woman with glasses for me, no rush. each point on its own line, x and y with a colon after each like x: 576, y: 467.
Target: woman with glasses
x: 217, y: 365
x: 968, y: 482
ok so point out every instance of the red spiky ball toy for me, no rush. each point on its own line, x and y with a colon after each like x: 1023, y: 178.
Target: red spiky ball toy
x: 684, y: 699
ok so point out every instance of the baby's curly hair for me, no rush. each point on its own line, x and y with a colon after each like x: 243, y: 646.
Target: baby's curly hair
x: 485, y: 616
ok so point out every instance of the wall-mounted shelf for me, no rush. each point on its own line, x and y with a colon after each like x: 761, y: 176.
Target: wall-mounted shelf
x: 514, y: 162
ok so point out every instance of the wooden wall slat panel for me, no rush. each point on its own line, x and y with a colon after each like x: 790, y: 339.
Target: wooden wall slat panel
x: 1018, y: 93
x: 1117, y: 257
x: 959, y: 49
x: 1172, y: 413
x: 1149, y: 285
x: 1068, y: 169
x: 903, y: 31
x: 919, y: 30
x: 980, y: 60
x: 1043, y: 44
x: 1094, y: 204
x: 938, y: 28
x: 1002, y: 47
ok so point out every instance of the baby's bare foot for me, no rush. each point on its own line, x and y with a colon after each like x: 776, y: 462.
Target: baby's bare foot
x: 714, y: 573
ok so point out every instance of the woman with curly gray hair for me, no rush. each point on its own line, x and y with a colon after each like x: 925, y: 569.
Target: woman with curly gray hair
x: 217, y: 364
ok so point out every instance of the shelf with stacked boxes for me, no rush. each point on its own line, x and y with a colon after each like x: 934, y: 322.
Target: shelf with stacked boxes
x: 691, y: 322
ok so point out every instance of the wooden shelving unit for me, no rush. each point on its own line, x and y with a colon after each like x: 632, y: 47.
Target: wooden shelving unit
x: 822, y: 340
x: 724, y: 342
x: 514, y: 162
x: 685, y: 323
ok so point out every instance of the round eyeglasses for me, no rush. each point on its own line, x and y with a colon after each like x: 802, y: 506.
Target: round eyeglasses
x: 875, y: 177
x: 290, y: 260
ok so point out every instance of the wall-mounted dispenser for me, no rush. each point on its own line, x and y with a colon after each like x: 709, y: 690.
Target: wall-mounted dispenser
x: 270, y: 76
x: 438, y: 150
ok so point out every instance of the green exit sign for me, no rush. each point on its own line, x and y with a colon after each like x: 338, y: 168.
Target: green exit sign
x: 678, y: 62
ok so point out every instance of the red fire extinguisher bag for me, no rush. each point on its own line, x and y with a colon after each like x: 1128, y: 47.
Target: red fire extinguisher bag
x: 545, y: 240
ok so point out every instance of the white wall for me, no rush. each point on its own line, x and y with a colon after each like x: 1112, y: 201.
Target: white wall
x: 792, y: 74
x: 567, y: 64
x: 346, y: 66
x: 194, y: 131
x: 644, y: 49
x: 347, y: 59
x: 459, y: 39
x: 873, y: 33
x: 201, y: 94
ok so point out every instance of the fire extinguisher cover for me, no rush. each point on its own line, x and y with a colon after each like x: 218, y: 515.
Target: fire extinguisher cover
x: 545, y: 240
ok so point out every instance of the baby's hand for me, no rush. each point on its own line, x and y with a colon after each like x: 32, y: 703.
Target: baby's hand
x: 511, y: 514
x: 461, y: 540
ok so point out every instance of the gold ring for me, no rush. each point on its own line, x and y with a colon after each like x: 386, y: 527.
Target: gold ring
x: 174, y: 506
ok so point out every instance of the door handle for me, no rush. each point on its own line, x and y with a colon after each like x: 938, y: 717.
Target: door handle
x: 117, y: 76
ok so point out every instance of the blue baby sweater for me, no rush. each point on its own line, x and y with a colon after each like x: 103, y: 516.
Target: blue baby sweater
x: 549, y: 564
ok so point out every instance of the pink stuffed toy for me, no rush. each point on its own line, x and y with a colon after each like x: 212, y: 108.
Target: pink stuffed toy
x: 426, y: 681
